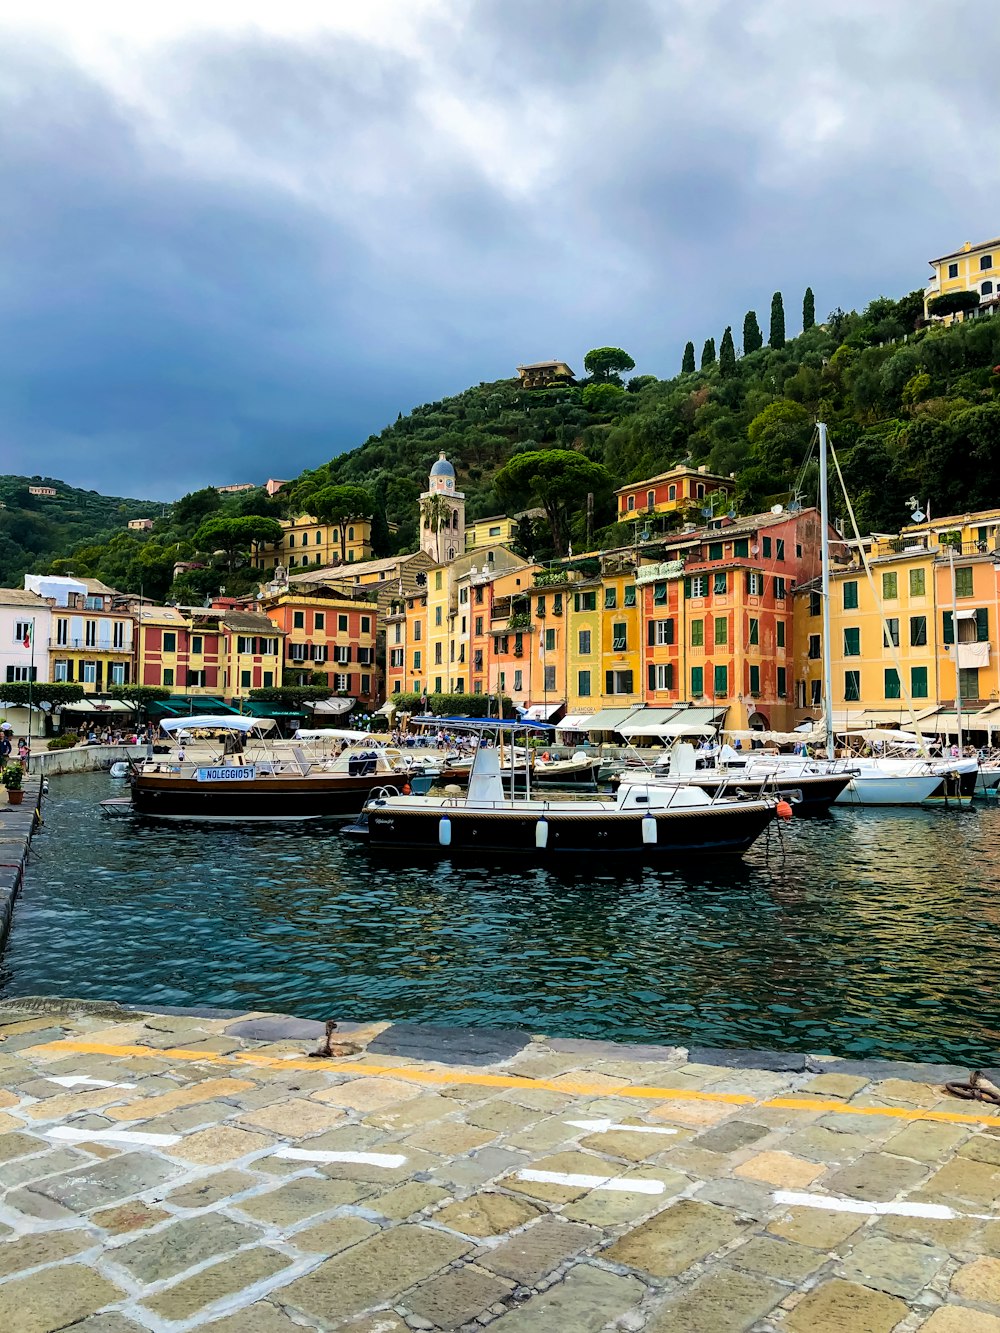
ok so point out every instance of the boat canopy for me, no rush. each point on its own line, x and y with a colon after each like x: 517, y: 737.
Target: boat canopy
x: 216, y: 722
x: 484, y: 723
x: 333, y: 734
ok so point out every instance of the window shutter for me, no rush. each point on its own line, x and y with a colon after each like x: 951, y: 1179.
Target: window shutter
x: 948, y: 627
x: 609, y: 682
x: 576, y: 601
x: 746, y: 577
x: 982, y: 625
x: 687, y: 587
x: 651, y: 636
x: 651, y: 678
x: 670, y: 675
x: 670, y: 630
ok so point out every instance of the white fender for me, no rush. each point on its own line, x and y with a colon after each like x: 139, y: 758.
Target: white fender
x: 542, y: 833
x: 648, y: 831
x: 444, y: 831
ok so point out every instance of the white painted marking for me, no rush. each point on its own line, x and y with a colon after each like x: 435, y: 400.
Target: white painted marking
x: 132, y: 1136
x: 385, y: 1159
x: 68, y: 1081
x: 938, y: 1211
x: 604, y: 1126
x: 626, y: 1184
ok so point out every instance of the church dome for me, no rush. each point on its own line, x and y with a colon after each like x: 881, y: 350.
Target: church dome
x: 442, y: 468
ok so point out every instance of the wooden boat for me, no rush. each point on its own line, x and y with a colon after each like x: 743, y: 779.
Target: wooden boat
x: 644, y: 822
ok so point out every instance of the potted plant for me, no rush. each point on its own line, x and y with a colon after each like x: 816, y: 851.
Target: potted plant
x: 13, y: 779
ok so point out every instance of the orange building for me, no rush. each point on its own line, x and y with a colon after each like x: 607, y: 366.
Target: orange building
x: 327, y: 635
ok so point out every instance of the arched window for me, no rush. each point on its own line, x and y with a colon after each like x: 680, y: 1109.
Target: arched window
x: 987, y: 288
x: 701, y: 490
x: 350, y: 534
x: 650, y: 499
x: 672, y: 493
x: 631, y: 503
x: 986, y: 262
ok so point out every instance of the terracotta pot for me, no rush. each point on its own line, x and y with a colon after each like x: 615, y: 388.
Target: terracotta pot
x: 15, y: 797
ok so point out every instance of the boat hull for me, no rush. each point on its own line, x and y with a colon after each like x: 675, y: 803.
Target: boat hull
x: 888, y: 790
x: 808, y: 794
x: 267, y: 799
x: 728, y: 830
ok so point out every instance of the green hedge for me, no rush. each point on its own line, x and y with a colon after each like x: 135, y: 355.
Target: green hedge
x: 453, y: 705
x: 64, y: 742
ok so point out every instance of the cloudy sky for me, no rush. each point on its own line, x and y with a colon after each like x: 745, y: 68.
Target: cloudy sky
x: 238, y: 236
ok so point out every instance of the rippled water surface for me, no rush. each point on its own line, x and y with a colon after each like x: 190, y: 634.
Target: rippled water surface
x: 870, y: 933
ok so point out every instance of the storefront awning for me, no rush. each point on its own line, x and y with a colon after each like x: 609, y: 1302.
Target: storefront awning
x: 574, y: 722
x: 609, y: 719
x: 99, y: 706
x: 542, y: 712
x: 332, y: 706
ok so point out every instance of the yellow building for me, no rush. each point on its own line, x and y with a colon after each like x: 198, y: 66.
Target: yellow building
x: 308, y: 542
x: 620, y: 676
x: 974, y: 268
x: 584, y: 643
x: 93, y: 632
x: 496, y: 531
x: 451, y: 592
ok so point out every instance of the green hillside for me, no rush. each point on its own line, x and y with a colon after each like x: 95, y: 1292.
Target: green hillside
x: 914, y: 412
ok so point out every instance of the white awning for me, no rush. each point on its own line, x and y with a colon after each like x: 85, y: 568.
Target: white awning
x: 574, y: 722
x: 967, y: 613
x: 99, y: 706
x: 387, y: 709
x: 610, y: 719
x: 666, y: 730
x: 331, y: 706
x: 541, y: 712
x: 331, y: 734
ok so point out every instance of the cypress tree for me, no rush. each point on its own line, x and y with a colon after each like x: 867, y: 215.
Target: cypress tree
x: 727, y: 355
x: 708, y: 353
x: 687, y: 364
x: 776, y: 337
x: 753, y: 339
x: 808, y: 310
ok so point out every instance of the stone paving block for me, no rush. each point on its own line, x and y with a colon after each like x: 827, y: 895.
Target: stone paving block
x: 538, y: 1099
x: 457, y: 1297
x: 411, y: 1114
x: 191, y: 1294
x: 899, y: 1267
x: 982, y: 1148
x: 17, y: 1145
x: 134, y: 1216
x: 731, y: 1137
x: 46, y: 1247
x: 451, y: 1046
x: 349, y: 1138
x: 416, y: 1161
x: 609, y: 1208
x: 960, y: 1319
x: 449, y: 1137
x: 632, y: 1147
x: 479, y: 1168
x: 384, y: 1321
x: 781, y: 1169
x: 838, y: 1306
x: 405, y: 1200
x: 927, y: 1141
x: 697, y: 1115
x: 188, y: 1118
x: 375, y: 1271
x: 815, y: 1227
x: 69, y: 1103
x: 723, y: 1301
x: 37, y: 1304
x: 486, y: 1214
x: 293, y: 1118
x: 108, y: 1323
x: 468, y: 1092
x: 736, y: 1058
x: 207, y: 1190
x: 8, y: 1099
x: 23, y: 1169
x: 221, y: 1143
x: 172, y: 1250
x: 540, y: 1137
x: 501, y: 1116
x: 587, y: 1300
x: 676, y: 1238
x: 532, y: 1253
x: 339, y: 1233
x: 877, y: 1177
x: 964, y: 1181
x: 979, y: 1281
x: 750, y: 1197
x: 260, y: 1318
x: 90, y: 1187
x: 144, y: 1108
x: 306, y: 1196
x: 952, y: 1234
x: 564, y: 1163
x: 818, y: 1143
x: 696, y: 1162
x: 370, y: 1094
x: 833, y: 1085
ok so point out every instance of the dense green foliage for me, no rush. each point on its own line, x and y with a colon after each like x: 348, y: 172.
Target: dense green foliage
x: 687, y: 362
x: 912, y: 411
x: 727, y: 355
x: 708, y: 354
x: 607, y: 363
x: 453, y: 705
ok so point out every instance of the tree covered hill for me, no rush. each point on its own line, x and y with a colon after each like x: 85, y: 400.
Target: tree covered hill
x: 913, y: 410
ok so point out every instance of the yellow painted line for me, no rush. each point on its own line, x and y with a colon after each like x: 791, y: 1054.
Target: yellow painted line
x: 440, y: 1076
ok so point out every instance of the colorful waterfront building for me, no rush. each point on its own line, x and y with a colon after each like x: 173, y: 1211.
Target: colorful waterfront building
x: 682, y: 487
x: 250, y: 653
x: 178, y: 653
x: 974, y: 268
x: 452, y: 590
x: 328, y: 638
x: 92, y: 638
x: 25, y: 630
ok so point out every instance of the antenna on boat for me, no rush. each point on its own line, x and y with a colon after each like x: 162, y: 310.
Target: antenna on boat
x: 824, y: 529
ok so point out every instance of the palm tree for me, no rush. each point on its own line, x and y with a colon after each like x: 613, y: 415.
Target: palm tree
x: 435, y: 510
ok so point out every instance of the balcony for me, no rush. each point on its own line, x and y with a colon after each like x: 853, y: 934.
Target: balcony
x: 81, y: 646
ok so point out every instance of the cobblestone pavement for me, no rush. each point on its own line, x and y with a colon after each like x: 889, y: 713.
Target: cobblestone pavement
x: 169, y: 1171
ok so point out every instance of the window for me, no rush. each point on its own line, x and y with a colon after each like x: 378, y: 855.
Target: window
x: 619, y: 637
x: 320, y: 620
x: 650, y: 499
x: 814, y: 647
x: 269, y: 648
x: 918, y: 583
x: 852, y: 686
x: 342, y: 682
x: 583, y: 684
x: 298, y: 620
x: 618, y: 682
x: 850, y: 596
x: 662, y: 632
x: 244, y: 644
x: 892, y: 637
x: 518, y: 645
x: 318, y: 651
x: 549, y: 682
x: 721, y: 681
x: 697, y: 682
x: 659, y: 594
x: 342, y: 625
x: 985, y: 262
x: 815, y: 693
x: 62, y: 633
x: 197, y: 644
x: 583, y: 639
x: 755, y: 680
x: 416, y: 660
x: 753, y: 637
x: 672, y: 493
x: 91, y: 633
x: 437, y: 615
x: 169, y: 641
x: 540, y: 608
x: 721, y: 631
x: 297, y: 651
x: 963, y: 581
x: 630, y: 595
x: 479, y: 596
x: 661, y: 676
x: 116, y: 673
x: 518, y: 678
x: 395, y: 657
x: 779, y: 588
x: 891, y: 683
x: 631, y: 503
x: 918, y: 630
x: 780, y: 629
x: 610, y: 599
x: 968, y: 682
x: 742, y: 547
x: 168, y: 675
x: 479, y: 625
x: 60, y: 670
x: 697, y: 585
x: 503, y: 644
x: 418, y: 631
x: 23, y: 673
x: 437, y: 580
x: 94, y: 603
x: 852, y: 642
x: 585, y: 601
x: 918, y: 682
x: 755, y: 583
x: 715, y: 551
x: 22, y: 631
x: 268, y: 679
x: 779, y: 548
x: 437, y: 654
x: 782, y: 688
x: 550, y: 640
x: 815, y: 604
x: 987, y: 289
x: 720, y: 584
x: 350, y: 535
x: 766, y: 546
x: 697, y: 633
x: 890, y: 586
x: 557, y: 603
x: 952, y: 270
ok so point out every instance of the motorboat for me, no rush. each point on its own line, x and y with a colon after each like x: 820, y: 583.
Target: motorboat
x: 230, y: 769
x: 645, y: 821
x: 871, y: 780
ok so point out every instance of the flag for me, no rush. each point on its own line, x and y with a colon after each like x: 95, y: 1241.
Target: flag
x: 29, y: 631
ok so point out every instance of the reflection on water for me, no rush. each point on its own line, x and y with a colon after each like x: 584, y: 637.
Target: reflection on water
x: 871, y: 933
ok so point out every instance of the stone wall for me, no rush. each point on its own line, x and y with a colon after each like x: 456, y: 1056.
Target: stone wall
x: 81, y: 759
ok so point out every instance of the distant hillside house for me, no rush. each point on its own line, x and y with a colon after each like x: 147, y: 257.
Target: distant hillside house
x: 237, y: 486
x: 41, y: 490
x: 273, y: 485
x: 974, y: 268
x: 679, y: 488
x: 140, y: 524
x: 498, y: 530
x: 307, y: 541
x: 541, y: 374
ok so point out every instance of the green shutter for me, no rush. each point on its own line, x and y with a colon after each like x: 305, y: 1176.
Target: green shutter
x: 742, y: 547
x: 852, y: 642
x: 721, y: 681
x: 782, y: 682
x: 670, y: 630
x: 651, y: 633
x: 651, y: 678
x: 982, y: 625
x: 918, y: 682
x: 948, y: 627
x: 755, y: 680
x: 715, y: 551
x: 697, y: 682
x: 670, y: 675
x: 687, y: 587
x: 891, y: 683
x: 850, y: 596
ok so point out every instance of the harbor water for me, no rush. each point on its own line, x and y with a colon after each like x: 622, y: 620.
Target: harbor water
x: 867, y: 933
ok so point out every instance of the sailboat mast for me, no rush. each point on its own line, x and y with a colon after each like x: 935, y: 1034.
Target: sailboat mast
x: 824, y: 546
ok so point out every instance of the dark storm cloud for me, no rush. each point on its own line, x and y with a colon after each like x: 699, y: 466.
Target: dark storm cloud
x: 283, y: 242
